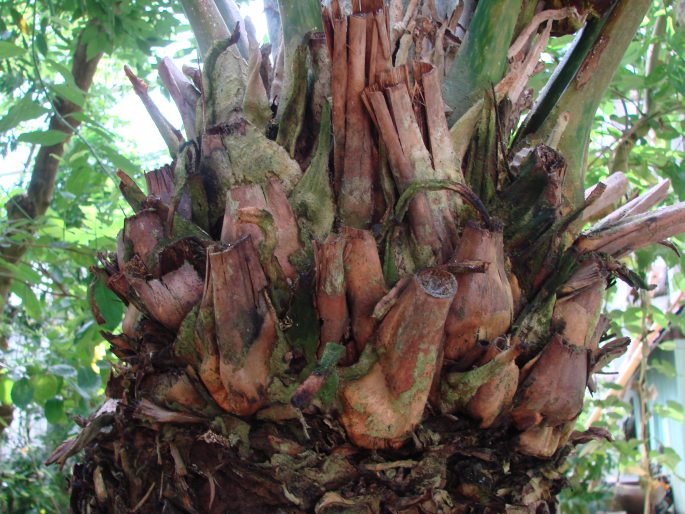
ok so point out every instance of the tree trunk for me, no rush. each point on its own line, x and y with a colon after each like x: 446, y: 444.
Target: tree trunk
x: 402, y: 319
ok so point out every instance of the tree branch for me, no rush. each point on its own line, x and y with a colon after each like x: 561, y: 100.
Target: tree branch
x: 33, y: 204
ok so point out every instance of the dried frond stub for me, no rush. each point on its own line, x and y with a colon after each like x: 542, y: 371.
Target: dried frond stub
x: 630, y: 233
x: 183, y: 92
x: 170, y: 298
x: 461, y: 390
x: 358, y: 175
x: 331, y: 303
x: 272, y: 199
x: 642, y: 203
x: 578, y: 304
x: 172, y: 137
x: 495, y: 396
x: 483, y: 307
x: 364, y: 282
x: 616, y: 187
x: 174, y: 390
x: 235, y: 328
x: 553, y: 391
x: 160, y: 184
x: 540, y: 441
x: 381, y: 408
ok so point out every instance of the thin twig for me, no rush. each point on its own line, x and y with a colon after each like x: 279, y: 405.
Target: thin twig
x: 46, y: 272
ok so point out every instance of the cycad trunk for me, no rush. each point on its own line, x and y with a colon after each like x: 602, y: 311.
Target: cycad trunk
x: 351, y: 306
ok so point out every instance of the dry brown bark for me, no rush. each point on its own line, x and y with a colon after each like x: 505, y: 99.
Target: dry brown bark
x: 377, y: 363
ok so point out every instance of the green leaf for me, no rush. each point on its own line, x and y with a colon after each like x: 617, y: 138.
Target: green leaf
x: 54, y: 411
x: 88, y: 380
x: 28, y: 299
x: 110, y: 306
x: 672, y: 409
x: 42, y: 44
x: 22, y: 392
x: 663, y: 367
x: 667, y: 346
x: 21, y: 271
x: 24, y: 110
x: 45, y: 387
x: 86, y: 331
x: 63, y: 370
x: 120, y: 161
x: 8, y: 50
x: 43, y: 137
x: 60, y: 68
x: 667, y: 457
x: 6, y: 391
x: 69, y: 92
x: 98, y: 45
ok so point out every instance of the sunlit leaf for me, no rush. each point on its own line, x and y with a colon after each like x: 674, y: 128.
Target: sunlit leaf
x: 29, y: 300
x: 69, y: 92
x: 24, y: 110
x: 6, y: 391
x: 45, y: 387
x: 671, y: 409
x: 663, y: 367
x: 43, y: 137
x: 8, y: 50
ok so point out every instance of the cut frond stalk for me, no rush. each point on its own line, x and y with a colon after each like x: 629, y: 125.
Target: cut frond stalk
x: 616, y: 187
x: 653, y: 196
x: 172, y: 137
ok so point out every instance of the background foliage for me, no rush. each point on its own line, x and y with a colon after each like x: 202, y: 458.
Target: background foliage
x: 643, y: 112
x: 54, y: 364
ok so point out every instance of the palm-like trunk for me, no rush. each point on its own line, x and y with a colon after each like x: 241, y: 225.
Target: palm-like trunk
x: 400, y: 318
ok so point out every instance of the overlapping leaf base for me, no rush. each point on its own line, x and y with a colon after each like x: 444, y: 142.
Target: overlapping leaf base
x: 413, y: 331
